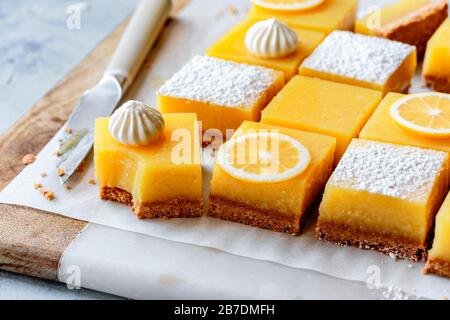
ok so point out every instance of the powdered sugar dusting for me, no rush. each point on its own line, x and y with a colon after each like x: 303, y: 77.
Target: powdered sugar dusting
x: 219, y: 82
x: 359, y: 57
x: 387, y: 169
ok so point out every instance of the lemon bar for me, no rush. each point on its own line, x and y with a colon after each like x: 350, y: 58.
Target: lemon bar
x: 381, y: 127
x: 325, y: 107
x: 275, y: 205
x: 152, y: 179
x: 439, y: 256
x: 222, y: 93
x: 409, y: 21
x: 326, y: 17
x: 384, y: 197
x: 232, y: 47
x: 436, y: 66
x: 369, y: 62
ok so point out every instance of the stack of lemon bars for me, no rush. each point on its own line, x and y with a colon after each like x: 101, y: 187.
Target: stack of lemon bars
x: 311, y: 105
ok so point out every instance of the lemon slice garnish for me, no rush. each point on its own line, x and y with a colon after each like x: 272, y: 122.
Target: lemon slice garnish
x: 423, y: 114
x: 287, y: 5
x: 264, y: 157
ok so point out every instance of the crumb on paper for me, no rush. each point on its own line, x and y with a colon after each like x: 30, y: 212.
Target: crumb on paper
x: 57, y: 153
x: 49, y: 195
x: 411, y: 266
x: 92, y: 181
x: 233, y: 10
x: 68, y: 130
x: 43, y: 174
x: 393, y: 256
x: 445, y: 298
x: 68, y: 187
x: 61, y: 172
x: 37, y: 186
x: 28, y: 159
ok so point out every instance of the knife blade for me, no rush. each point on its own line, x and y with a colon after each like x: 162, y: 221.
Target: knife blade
x: 78, y: 136
x: 142, y: 31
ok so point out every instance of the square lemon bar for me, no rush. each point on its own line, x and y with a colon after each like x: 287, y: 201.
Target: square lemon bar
x: 409, y: 21
x: 436, y: 66
x: 439, y: 256
x: 160, y: 180
x: 325, y: 107
x: 326, y: 17
x: 365, y: 61
x: 382, y: 127
x: 384, y: 197
x: 274, y: 205
x: 222, y: 93
x: 232, y: 47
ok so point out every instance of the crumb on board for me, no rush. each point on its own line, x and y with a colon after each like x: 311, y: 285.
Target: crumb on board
x: 68, y: 187
x: 37, y: 186
x: 60, y: 172
x: 233, y: 10
x: 80, y: 167
x: 43, y: 174
x: 28, y: 159
x: 49, y: 195
x: 68, y: 130
x: 92, y: 181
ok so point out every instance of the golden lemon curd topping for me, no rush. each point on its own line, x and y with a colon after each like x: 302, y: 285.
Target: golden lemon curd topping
x: 379, y: 18
x: 235, y: 45
x: 441, y: 249
x: 436, y: 66
x: 386, y: 189
x: 158, y: 171
x: 287, y: 196
x: 222, y: 93
x: 382, y: 127
x: 324, y: 107
x: 325, y: 17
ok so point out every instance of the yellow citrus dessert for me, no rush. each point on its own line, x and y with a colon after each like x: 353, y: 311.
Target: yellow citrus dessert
x: 267, y: 176
x: 288, y: 5
x: 233, y: 47
x: 324, y: 107
x: 383, y: 127
x: 384, y: 197
x: 409, y: 21
x: 423, y: 114
x: 369, y: 62
x: 162, y: 179
x: 439, y: 256
x: 222, y: 93
x: 436, y: 66
x: 325, y: 17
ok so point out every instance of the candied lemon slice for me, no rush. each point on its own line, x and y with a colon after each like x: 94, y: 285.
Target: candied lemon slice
x: 263, y: 157
x: 424, y: 114
x: 287, y: 5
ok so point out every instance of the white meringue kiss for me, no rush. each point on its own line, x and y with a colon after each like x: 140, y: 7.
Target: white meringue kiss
x: 136, y: 124
x: 271, y: 39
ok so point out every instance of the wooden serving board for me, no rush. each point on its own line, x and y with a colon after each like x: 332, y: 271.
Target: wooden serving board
x: 33, y: 241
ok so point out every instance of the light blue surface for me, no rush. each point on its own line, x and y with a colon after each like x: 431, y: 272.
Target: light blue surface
x: 36, y: 50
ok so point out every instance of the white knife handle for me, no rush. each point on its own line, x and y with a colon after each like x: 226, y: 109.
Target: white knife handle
x: 140, y: 35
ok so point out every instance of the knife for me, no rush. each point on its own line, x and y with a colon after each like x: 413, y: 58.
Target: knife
x: 100, y: 101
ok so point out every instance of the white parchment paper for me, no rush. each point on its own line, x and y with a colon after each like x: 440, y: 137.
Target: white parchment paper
x: 303, y: 252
